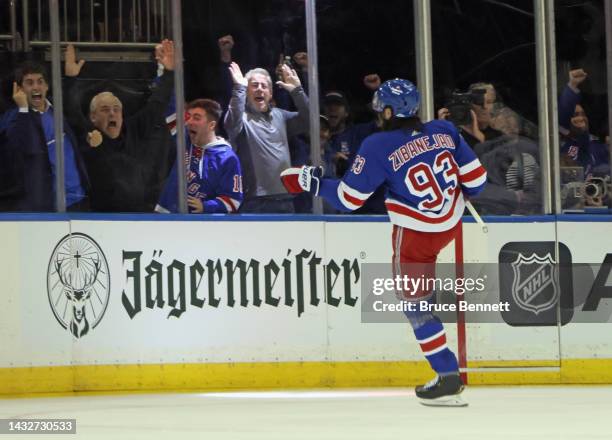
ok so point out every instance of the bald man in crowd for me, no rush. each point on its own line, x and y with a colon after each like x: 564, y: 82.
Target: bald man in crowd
x: 127, y: 156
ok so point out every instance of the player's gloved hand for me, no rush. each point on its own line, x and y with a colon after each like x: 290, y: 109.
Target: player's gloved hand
x: 306, y: 178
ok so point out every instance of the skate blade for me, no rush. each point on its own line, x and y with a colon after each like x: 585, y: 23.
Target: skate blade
x: 455, y: 400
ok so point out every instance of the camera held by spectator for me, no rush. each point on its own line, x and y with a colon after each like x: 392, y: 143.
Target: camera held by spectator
x: 577, y: 193
x: 460, y: 106
x: 597, y: 190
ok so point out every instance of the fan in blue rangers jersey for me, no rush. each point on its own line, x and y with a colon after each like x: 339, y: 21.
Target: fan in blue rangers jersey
x: 426, y: 168
x: 214, y: 176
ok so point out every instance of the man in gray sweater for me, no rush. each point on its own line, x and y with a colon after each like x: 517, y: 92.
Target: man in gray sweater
x: 259, y: 133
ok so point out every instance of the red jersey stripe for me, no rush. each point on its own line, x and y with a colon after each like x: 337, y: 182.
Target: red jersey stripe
x: 473, y: 175
x: 349, y: 198
x: 229, y: 202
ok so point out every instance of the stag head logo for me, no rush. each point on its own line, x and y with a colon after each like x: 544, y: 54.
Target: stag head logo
x: 78, y: 283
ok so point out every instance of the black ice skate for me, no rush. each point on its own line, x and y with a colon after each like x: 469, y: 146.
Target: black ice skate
x: 442, y: 391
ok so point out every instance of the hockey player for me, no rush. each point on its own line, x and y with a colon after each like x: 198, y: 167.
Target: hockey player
x: 214, y: 177
x: 426, y: 168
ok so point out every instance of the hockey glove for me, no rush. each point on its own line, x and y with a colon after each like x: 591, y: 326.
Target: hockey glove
x: 306, y: 178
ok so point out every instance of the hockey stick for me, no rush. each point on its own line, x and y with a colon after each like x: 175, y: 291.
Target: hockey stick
x: 477, y: 217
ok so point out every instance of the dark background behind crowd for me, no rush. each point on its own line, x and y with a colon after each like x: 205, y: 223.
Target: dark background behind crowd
x: 473, y: 41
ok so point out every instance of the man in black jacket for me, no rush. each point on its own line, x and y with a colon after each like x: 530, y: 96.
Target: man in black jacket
x: 28, y: 150
x: 127, y: 158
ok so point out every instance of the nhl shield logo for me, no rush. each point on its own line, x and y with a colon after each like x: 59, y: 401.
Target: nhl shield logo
x: 78, y: 283
x: 533, y: 287
x: 536, y: 279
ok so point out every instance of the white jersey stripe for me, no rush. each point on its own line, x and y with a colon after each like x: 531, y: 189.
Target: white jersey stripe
x: 476, y: 182
x: 344, y: 201
x: 431, y: 338
x: 235, y: 203
x: 398, y: 253
x: 469, y: 167
x: 435, y: 350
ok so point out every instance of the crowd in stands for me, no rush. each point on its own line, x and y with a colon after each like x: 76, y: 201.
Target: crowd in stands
x: 238, y: 144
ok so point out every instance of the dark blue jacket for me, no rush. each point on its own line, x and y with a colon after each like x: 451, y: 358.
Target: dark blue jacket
x: 24, y: 159
x: 347, y: 142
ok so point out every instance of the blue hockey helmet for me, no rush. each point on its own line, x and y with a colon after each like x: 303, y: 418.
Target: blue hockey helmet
x: 398, y: 94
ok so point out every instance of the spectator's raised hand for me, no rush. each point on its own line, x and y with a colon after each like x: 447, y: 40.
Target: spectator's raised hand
x: 226, y: 44
x: 19, y: 96
x: 94, y: 138
x: 71, y: 66
x: 443, y: 113
x: 301, y: 60
x: 372, y: 81
x: 158, y: 53
x: 576, y: 77
x: 290, y: 79
x: 237, y: 75
x: 279, y: 67
x: 164, y: 54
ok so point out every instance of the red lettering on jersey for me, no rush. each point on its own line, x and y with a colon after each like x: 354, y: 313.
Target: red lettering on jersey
x: 193, y: 188
x: 417, y: 147
x: 423, y: 144
x: 404, y: 154
x: 438, y: 141
x: 444, y: 140
x: 395, y: 160
x: 412, y: 149
x: 237, y: 183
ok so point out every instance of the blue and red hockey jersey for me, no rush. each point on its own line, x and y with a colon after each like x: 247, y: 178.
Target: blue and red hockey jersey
x: 214, y: 176
x: 425, y: 175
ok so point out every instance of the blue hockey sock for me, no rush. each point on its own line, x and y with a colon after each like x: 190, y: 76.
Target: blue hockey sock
x: 431, y: 336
